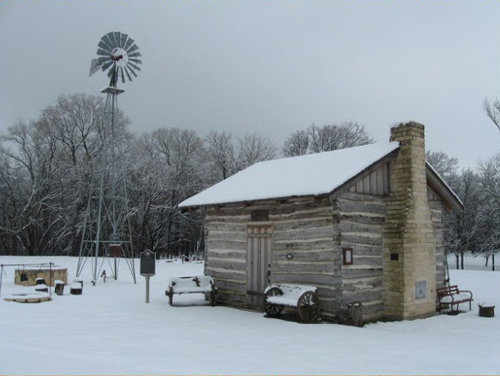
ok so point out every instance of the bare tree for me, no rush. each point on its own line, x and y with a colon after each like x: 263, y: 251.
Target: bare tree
x: 463, y: 228
x: 221, y: 152
x: 334, y: 137
x: 492, y: 109
x: 169, y: 167
x: 326, y: 138
x: 77, y: 123
x: 296, y: 144
x: 51, y: 164
x: 33, y: 194
x: 445, y: 165
x: 489, y: 213
x: 254, y: 148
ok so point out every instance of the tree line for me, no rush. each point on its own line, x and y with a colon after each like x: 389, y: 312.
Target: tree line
x: 476, y: 229
x: 49, y: 168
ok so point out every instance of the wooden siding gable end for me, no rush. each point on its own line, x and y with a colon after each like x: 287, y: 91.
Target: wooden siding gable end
x: 374, y: 179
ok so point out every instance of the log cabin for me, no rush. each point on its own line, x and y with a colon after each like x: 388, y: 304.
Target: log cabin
x: 363, y: 224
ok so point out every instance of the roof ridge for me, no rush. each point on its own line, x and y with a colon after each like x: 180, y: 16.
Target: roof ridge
x: 308, y: 174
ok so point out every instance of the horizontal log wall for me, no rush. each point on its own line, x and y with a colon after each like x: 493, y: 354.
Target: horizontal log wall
x: 304, y: 250
x: 361, y: 219
x: 303, y: 236
x: 437, y: 211
x: 312, y: 232
x: 226, y: 248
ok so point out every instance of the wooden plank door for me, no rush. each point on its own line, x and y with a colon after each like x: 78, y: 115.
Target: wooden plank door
x: 258, y: 263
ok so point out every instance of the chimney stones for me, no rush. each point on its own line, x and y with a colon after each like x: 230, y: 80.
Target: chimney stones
x: 409, y: 247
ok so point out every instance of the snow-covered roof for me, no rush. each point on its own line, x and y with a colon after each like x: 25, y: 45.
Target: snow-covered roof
x: 310, y: 174
x: 453, y: 201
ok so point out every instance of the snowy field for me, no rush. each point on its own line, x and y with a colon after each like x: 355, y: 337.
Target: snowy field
x: 111, y: 330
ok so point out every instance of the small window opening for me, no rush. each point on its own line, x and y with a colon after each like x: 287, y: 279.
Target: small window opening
x: 260, y: 216
x: 347, y: 258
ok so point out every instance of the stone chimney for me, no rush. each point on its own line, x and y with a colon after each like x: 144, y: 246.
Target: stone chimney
x: 409, y: 246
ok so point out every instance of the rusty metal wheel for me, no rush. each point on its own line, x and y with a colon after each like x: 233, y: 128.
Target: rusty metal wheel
x: 308, y: 307
x: 273, y: 310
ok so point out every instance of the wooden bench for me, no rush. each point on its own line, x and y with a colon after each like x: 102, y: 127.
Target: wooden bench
x: 451, y: 297
x: 301, y: 297
x: 192, y: 285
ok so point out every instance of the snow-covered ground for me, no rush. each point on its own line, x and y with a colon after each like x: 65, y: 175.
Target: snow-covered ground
x: 111, y: 330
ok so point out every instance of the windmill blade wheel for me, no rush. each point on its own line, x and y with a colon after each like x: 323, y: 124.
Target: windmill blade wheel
x: 308, y: 307
x: 273, y: 310
x: 118, y: 56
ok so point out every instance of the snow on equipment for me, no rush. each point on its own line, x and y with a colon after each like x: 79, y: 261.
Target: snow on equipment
x: 26, y: 274
x: 192, y: 285
x: 486, y: 310
x: 34, y: 297
x: 41, y: 286
x: 451, y: 296
x: 76, y: 287
x: 301, y: 297
x: 59, y: 287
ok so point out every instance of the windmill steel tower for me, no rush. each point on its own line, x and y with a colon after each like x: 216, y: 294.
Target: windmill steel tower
x: 106, y: 231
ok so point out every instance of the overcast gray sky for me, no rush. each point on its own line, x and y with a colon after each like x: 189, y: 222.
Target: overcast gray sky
x: 268, y: 66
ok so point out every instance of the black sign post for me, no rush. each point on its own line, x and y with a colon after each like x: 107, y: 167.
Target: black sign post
x: 148, y: 268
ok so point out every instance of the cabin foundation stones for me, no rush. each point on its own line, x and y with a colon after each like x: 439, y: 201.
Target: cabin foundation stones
x: 363, y: 225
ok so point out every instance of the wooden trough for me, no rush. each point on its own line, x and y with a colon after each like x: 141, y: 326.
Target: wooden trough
x: 33, y: 297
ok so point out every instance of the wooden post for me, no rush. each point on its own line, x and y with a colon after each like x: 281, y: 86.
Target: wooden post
x: 1, y: 275
x: 50, y: 279
x: 147, y: 289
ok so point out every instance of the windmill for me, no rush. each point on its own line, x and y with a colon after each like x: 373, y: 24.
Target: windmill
x: 106, y: 233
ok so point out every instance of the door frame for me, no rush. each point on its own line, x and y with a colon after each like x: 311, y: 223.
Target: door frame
x: 259, y: 234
